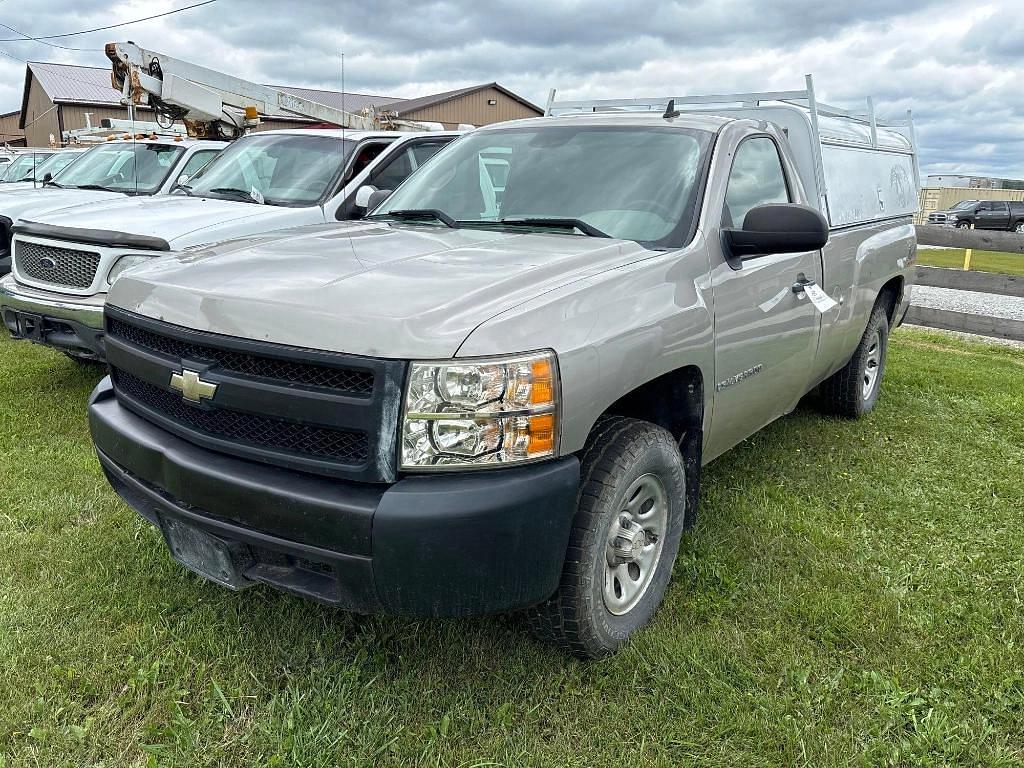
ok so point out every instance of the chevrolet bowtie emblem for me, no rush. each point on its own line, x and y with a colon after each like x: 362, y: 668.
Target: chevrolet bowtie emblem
x: 192, y: 388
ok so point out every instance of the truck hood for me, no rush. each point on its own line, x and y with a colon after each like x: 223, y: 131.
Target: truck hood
x: 43, y: 200
x: 383, y: 290
x: 180, y: 220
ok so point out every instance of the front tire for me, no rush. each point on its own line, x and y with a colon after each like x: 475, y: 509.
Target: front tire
x: 963, y: 225
x: 853, y: 390
x: 625, y: 536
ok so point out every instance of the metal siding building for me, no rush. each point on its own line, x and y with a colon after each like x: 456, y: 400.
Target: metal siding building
x: 58, y: 96
x: 10, y: 133
x: 476, y: 105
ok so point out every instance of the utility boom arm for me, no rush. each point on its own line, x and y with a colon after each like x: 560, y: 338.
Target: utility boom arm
x: 213, y: 104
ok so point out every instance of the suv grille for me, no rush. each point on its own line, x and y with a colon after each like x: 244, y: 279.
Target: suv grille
x: 59, y: 266
x: 349, y: 380
x: 258, y: 431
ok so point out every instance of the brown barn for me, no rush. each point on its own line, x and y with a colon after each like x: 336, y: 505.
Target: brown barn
x: 10, y: 134
x: 58, y: 96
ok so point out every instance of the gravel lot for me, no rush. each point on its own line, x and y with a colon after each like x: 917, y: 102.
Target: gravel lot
x: 1009, y: 307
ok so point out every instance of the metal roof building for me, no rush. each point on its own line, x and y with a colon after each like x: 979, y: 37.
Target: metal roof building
x: 58, y: 96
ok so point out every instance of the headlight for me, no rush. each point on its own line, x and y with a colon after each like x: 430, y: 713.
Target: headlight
x: 125, y: 262
x: 461, y: 413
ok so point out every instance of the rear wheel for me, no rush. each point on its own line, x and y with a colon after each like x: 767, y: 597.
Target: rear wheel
x: 1019, y: 229
x: 624, y: 539
x: 853, y: 391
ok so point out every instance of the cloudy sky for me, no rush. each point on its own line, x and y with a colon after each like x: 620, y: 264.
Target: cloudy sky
x: 958, y: 65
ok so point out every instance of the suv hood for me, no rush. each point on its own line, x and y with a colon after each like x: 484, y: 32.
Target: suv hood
x: 178, y: 219
x: 383, y: 290
x: 43, y: 200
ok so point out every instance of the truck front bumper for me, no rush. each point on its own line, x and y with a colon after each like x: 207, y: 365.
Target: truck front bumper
x: 70, y: 324
x: 445, y: 545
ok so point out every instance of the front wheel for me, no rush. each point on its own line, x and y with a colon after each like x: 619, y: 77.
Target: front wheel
x: 963, y: 225
x: 624, y: 540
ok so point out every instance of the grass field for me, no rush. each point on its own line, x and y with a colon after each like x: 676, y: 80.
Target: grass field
x: 852, y: 595
x: 981, y: 261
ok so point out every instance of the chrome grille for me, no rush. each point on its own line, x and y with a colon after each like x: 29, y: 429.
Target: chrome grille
x: 59, y: 266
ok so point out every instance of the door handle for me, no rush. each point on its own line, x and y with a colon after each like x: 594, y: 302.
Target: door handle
x: 801, y: 283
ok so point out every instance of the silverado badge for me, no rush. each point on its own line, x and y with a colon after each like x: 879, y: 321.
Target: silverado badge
x: 192, y: 388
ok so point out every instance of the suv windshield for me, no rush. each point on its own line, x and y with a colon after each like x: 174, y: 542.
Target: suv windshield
x: 123, y: 167
x: 21, y: 167
x: 53, y: 165
x: 276, y: 169
x: 635, y: 183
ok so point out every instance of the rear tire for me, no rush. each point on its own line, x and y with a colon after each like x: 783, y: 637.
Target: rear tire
x: 625, y: 536
x: 853, y: 390
x: 1019, y: 229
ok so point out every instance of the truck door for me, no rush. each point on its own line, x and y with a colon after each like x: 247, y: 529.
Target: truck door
x: 765, y: 333
x: 390, y: 170
x: 1000, y: 216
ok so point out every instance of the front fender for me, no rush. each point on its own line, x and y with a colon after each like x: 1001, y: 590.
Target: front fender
x: 613, y: 332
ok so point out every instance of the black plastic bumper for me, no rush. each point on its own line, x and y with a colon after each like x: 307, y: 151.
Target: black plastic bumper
x: 443, y: 545
x: 66, y: 335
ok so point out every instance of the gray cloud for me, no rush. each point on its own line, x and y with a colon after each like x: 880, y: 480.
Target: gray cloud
x: 958, y: 68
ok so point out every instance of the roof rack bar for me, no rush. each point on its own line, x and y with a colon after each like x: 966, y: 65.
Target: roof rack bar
x: 659, y: 102
x: 819, y: 165
x: 874, y: 122
x: 551, y: 100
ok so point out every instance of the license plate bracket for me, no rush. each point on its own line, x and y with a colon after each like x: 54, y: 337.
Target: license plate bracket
x: 30, y: 326
x: 204, y: 554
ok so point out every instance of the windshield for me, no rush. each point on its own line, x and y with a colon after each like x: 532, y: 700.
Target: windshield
x: 20, y: 169
x: 123, y: 167
x: 54, y: 164
x: 964, y: 204
x: 635, y: 183
x: 274, y: 169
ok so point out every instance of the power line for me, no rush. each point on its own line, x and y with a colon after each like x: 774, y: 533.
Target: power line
x: 42, y: 38
x: 30, y: 39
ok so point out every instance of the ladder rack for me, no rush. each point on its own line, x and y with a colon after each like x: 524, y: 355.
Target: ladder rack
x: 803, y: 100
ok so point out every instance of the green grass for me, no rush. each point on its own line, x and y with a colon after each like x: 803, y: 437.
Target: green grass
x: 981, y: 261
x: 852, y: 595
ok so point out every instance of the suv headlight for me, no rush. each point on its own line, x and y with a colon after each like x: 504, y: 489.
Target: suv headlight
x: 480, y: 412
x: 125, y: 262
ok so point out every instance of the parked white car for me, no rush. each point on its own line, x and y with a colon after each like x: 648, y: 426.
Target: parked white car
x: 64, y: 261
x: 47, y: 169
x: 110, y: 171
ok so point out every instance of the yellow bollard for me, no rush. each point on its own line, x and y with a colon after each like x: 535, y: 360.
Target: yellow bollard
x: 967, y: 255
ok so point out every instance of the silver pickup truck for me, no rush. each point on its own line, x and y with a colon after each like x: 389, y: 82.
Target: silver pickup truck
x: 498, y: 390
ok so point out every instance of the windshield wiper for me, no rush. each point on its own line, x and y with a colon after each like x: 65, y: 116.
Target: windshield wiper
x: 53, y: 184
x: 420, y: 213
x: 239, y: 193
x: 185, y: 188
x: 100, y: 187
x: 560, y: 223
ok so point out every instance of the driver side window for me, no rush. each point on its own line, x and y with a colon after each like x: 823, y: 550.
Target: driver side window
x: 756, y: 178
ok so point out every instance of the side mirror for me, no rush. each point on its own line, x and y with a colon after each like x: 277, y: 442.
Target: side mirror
x: 378, y: 197
x: 775, y: 228
x: 363, y: 195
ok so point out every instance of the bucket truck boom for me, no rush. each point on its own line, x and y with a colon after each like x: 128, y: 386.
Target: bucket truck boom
x: 212, y: 104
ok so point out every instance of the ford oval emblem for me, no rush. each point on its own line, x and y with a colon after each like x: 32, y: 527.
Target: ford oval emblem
x: 48, y: 263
